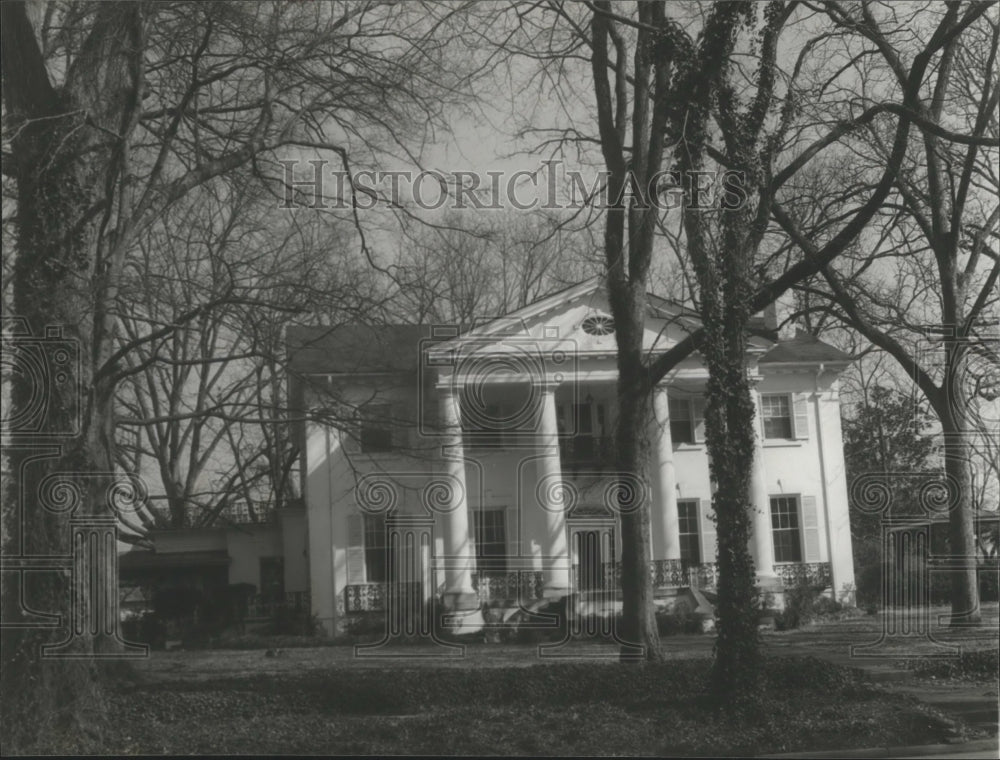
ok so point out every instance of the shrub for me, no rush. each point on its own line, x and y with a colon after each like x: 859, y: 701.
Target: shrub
x: 988, y: 583
x: 147, y: 628
x: 805, y: 603
x: 799, y: 601
x: 680, y: 619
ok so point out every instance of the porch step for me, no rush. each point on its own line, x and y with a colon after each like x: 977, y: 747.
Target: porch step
x: 702, y: 605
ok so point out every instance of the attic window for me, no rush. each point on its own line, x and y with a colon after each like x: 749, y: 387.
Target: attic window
x: 598, y: 325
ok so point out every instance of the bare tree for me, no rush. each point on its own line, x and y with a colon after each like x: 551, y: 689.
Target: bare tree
x: 113, y: 112
x: 923, y: 289
x: 655, y: 84
x: 475, y: 267
x: 202, y: 400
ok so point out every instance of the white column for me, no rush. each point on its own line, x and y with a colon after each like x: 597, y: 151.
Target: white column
x: 762, y: 545
x: 555, y: 571
x: 665, y: 533
x: 458, y: 548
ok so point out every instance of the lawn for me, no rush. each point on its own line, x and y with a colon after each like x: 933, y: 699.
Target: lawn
x: 568, y: 708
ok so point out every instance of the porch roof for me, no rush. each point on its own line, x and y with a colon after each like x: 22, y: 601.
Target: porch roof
x: 147, y: 560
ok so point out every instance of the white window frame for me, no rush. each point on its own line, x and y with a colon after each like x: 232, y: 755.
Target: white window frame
x: 799, y: 527
x: 790, y: 404
x: 696, y: 504
x: 689, y: 405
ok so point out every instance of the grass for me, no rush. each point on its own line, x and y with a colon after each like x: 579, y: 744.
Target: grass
x: 545, y: 709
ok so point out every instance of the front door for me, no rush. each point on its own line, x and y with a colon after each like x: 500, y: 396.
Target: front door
x: 590, y: 570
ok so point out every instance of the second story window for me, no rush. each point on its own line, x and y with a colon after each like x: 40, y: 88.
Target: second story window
x: 681, y: 421
x: 376, y: 428
x: 587, y: 447
x: 489, y: 427
x: 776, y: 413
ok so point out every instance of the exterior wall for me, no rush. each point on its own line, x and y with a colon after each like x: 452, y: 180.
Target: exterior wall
x: 295, y: 549
x: 246, y: 545
x: 190, y: 540
x: 815, y: 467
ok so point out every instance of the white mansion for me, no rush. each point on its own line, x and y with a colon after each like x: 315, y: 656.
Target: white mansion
x: 477, y: 468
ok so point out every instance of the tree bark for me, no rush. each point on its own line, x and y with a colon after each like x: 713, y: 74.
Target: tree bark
x: 957, y: 431
x: 632, y: 446
x: 61, y: 162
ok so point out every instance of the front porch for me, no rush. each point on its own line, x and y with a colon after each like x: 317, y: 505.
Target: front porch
x: 526, y: 587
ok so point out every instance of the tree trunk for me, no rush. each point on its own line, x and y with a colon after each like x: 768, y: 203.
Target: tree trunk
x: 58, y: 700
x: 632, y: 456
x: 633, y: 450
x: 729, y: 419
x: 60, y: 451
x: 961, y: 519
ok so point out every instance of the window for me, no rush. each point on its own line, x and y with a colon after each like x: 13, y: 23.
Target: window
x: 490, y: 426
x: 376, y: 429
x: 491, y: 541
x: 777, y: 415
x: 785, y: 529
x: 598, y: 324
x: 687, y: 514
x: 272, y: 578
x: 681, y: 421
x: 589, y: 445
x: 376, y: 554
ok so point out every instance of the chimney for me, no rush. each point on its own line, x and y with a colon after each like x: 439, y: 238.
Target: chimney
x: 776, y: 316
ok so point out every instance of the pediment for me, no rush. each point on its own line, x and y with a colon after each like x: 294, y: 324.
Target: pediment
x: 576, y: 320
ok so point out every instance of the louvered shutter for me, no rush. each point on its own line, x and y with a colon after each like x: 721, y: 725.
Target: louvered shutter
x: 707, y: 525
x: 810, y: 530
x: 759, y: 417
x: 355, y: 549
x: 800, y: 416
x: 698, y: 419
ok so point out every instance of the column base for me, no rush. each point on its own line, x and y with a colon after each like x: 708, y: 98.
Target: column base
x: 555, y: 592
x: 461, y: 613
x: 460, y: 601
x: 770, y: 584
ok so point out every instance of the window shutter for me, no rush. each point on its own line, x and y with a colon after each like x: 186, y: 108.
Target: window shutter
x: 800, y: 418
x: 759, y: 417
x: 707, y: 525
x: 810, y: 530
x: 355, y: 549
x: 698, y: 419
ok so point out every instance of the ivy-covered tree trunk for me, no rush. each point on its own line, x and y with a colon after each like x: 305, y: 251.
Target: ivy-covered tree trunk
x: 61, y: 415
x: 722, y: 263
x: 729, y: 420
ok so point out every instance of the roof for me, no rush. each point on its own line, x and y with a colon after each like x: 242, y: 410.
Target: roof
x: 380, y: 349
x: 804, y: 349
x: 147, y: 560
x: 355, y: 349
